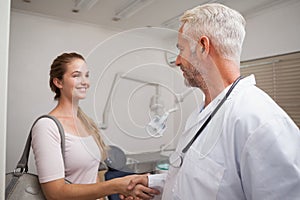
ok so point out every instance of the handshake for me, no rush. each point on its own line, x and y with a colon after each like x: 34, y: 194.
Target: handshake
x: 135, y: 187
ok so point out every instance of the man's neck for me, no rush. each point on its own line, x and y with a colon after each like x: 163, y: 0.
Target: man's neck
x: 216, y: 86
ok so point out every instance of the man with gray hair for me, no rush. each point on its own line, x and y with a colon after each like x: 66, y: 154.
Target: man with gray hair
x: 239, y: 144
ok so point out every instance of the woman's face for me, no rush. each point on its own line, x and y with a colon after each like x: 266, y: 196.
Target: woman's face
x: 75, y: 80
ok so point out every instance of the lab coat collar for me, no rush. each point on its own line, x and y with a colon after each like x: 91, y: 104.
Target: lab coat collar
x: 245, y: 82
x: 201, y: 113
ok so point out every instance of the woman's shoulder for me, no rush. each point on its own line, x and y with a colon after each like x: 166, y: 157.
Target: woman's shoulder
x: 45, y: 121
x: 45, y: 125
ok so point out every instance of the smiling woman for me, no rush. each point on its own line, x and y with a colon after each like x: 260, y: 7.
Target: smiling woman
x: 84, y: 147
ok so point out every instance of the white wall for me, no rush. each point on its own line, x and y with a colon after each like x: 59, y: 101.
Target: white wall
x: 4, y: 38
x: 274, y: 31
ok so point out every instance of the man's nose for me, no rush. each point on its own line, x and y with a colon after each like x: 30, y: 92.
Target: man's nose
x: 178, y: 61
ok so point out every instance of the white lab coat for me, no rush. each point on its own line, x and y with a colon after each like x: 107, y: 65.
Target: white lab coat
x: 249, y: 150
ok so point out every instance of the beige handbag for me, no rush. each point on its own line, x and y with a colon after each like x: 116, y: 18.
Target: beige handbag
x: 21, y: 185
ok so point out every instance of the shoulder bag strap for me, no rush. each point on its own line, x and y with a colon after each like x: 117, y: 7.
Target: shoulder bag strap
x: 23, y: 163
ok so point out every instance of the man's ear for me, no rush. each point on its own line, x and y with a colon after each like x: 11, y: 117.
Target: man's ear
x: 203, y: 46
x: 57, y: 83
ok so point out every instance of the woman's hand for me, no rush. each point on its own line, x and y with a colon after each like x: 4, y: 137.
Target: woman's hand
x: 136, y: 188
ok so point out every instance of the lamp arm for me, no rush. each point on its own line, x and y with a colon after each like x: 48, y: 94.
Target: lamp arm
x: 181, y: 97
x: 106, y: 109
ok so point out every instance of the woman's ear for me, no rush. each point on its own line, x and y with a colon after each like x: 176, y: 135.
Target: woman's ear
x: 57, y: 83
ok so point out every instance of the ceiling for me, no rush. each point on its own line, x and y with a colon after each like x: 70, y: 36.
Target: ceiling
x: 155, y: 13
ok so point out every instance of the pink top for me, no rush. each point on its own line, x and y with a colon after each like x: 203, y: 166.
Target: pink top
x: 82, y: 155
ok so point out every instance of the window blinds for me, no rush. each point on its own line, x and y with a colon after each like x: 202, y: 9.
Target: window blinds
x: 279, y: 77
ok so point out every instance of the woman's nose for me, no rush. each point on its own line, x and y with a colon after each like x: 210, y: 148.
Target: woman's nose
x: 84, y: 80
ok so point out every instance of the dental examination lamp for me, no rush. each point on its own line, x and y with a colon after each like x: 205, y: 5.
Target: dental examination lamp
x: 157, y: 126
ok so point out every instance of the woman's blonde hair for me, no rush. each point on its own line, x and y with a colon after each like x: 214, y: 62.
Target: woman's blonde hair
x: 58, y: 69
x: 91, y: 126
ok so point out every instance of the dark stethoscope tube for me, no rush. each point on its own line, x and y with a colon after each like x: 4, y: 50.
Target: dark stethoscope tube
x: 176, y: 159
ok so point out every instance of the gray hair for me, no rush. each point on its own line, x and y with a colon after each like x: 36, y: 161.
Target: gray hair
x: 224, y: 27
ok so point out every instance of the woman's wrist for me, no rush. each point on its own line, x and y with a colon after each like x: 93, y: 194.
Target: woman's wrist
x: 117, y: 186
